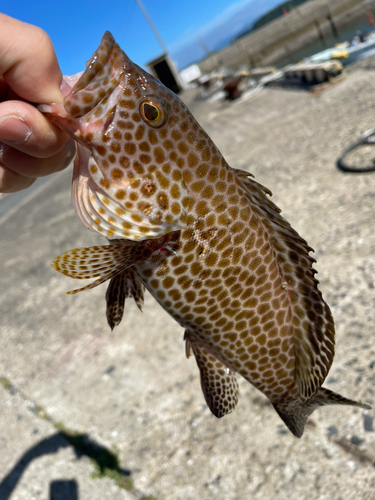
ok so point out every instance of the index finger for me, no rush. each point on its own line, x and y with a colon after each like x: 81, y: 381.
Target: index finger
x: 28, y: 63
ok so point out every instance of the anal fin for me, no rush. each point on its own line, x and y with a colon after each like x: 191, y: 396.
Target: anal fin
x: 219, y: 384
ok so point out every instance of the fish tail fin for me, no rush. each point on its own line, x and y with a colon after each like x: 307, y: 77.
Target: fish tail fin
x: 295, y: 413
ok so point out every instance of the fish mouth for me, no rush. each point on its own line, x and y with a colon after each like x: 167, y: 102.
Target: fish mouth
x: 99, y: 80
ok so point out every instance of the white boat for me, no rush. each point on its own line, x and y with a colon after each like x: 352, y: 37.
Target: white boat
x: 344, y: 52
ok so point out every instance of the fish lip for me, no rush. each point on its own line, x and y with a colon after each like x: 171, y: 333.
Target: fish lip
x: 94, y: 65
x: 100, y: 59
x: 68, y: 82
x: 103, y: 74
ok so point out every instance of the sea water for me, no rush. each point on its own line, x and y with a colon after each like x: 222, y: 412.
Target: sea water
x: 345, y: 33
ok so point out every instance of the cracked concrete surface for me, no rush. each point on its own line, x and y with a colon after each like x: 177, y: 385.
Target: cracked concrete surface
x: 134, y: 389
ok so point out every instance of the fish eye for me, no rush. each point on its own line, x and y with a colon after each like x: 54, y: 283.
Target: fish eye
x: 153, y: 111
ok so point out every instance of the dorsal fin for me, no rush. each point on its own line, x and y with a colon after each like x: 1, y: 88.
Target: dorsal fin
x: 312, y: 323
x: 219, y: 384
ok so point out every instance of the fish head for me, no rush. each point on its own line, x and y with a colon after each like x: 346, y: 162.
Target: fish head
x: 113, y: 93
x: 127, y: 182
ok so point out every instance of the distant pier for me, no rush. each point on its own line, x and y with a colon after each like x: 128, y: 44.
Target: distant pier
x: 303, y: 25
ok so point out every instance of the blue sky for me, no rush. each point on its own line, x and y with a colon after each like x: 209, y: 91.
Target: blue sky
x: 76, y: 26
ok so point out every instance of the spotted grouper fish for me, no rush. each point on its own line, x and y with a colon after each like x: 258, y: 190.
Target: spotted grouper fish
x: 203, y: 238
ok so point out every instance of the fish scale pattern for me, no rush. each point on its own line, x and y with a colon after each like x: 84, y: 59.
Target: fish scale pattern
x: 228, y: 286
x: 203, y: 238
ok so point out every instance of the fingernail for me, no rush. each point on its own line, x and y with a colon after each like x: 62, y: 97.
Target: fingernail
x: 14, y: 130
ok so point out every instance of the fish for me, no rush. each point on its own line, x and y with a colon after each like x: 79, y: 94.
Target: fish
x: 203, y: 238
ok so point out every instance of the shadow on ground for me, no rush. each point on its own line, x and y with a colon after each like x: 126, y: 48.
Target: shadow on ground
x: 105, y: 463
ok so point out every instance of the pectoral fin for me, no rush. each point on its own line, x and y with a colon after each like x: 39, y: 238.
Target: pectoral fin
x: 122, y: 286
x: 219, y: 384
x: 101, y: 262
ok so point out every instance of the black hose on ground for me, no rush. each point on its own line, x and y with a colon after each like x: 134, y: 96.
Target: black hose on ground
x: 368, y: 138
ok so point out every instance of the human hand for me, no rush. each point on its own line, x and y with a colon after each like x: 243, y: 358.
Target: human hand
x: 30, y: 146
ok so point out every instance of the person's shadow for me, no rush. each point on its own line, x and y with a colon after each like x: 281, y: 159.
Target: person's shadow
x: 63, y: 490
x: 103, y: 458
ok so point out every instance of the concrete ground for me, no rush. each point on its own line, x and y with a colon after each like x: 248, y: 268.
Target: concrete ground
x: 92, y: 414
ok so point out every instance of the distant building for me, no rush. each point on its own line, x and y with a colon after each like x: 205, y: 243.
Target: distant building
x: 163, y: 68
x: 190, y: 74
